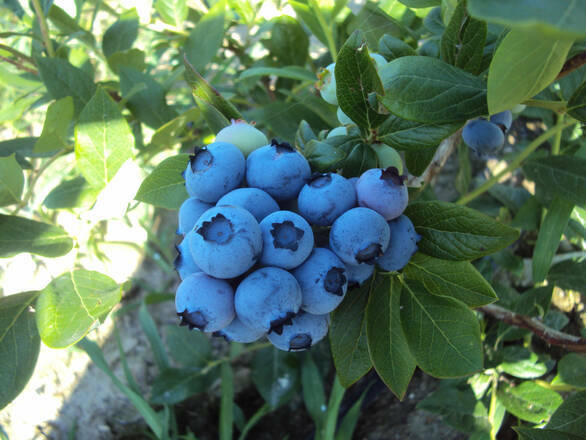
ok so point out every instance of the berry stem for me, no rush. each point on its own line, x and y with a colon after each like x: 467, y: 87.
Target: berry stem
x: 515, y: 163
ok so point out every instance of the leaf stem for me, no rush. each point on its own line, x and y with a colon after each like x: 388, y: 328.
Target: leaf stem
x: 557, y: 140
x: 327, y: 30
x: 493, y: 402
x: 44, y: 28
x: 515, y: 163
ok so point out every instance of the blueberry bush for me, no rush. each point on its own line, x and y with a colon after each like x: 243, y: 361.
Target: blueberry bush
x: 301, y: 144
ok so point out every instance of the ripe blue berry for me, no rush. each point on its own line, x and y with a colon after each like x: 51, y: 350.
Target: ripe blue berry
x: 189, y: 212
x: 267, y: 299
x: 246, y: 137
x: 226, y: 242
x: 483, y: 136
x: 325, y: 197
x: 184, y: 263
x: 323, y: 281
x: 278, y: 169
x: 254, y: 200
x: 238, y: 332
x: 306, y: 331
x: 204, y: 302
x: 214, y: 170
x: 383, y: 191
x: 360, y: 235
x: 503, y: 120
x: 287, y: 239
x: 402, y: 246
x: 358, y: 274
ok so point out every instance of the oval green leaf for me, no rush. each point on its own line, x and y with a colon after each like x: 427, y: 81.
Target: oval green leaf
x: 529, y: 401
x: 402, y: 134
x: 18, y: 234
x: 165, y: 186
x: 72, y: 304
x: 11, y: 180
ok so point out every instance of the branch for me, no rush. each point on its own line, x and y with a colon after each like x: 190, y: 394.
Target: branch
x: 572, y: 64
x: 19, y: 65
x: 549, y: 335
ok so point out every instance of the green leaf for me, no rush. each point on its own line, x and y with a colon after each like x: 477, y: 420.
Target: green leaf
x: 572, y: 369
x: 103, y: 140
x: 288, y: 42
x: 569, y: 417
x: 565, y: 19
x: 149, y: 328
x: 227, y: 403
x: 275, y: 375
x: 454, y: 232
x: 523, y: 65
x: 417, y: 161
x: 523, y: 363
x: 549, y: 237
x: 68, y: 26
x: 456, y: 279
x: 529, y: 401
x: 356, y: 80
x: 348, y: 340
x: 205, y: 93
x: 360, y: 159
x: 426, y: 89
x: 23, y: 146
x: 564, y: 176
x: 134, y: 58
x: 146, y: 97
x: 443, y: 334
x: 391, y: 47
x: 173, y: 12
x: 458, y: 407
x: 569, y: 275
x: 120, y: 36
x: 205, y: 39
x: 291, y: 72
x: 56, y: 126
x: 63, y: 79
x: 170, y: 134
x: 313, y: 391
x: 402, y: 134
x: 72, y: 304
x: 322, y: 156
x: 306, y: 13
x: 19, y: 344
x: 420, y: 3
x: 577, y: 104
x: 174, y: 385
x: 18, y: 234
x: 148, y: 414
x: 544, y: 434
x: 11, y: 180
x: 74, y: 193
x: 188, y: 348
x: 462, y: 43
x: 165, y: 186
x: 387, y: 345
x: 374, y: 23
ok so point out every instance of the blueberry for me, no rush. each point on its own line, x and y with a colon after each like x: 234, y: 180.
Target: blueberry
x: 360, y: 235
x: 402, y: 246
x: 325, y: 197
x: 238, y: 332
x: 191, y: 209
x: 214, y: 170
x: 305, y: 331
x: 254, y: 200
x: 323, y: 281
x: 328, y: 84
x: 204, y: 302
x: 503, y: 120
x: 287, y: 239
x: 277, y: 169
x: 387, y: 156
x: 246, y: 137
x: 384, y: 191
x: 267, y: 299
x: 184, y: 263
x: 343, y: 118
x: 338, y: 131
x: 226, y: 242
x: 358, y: 274
x: 483, y: 136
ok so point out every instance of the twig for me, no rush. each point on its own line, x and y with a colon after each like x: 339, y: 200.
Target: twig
x: 17, y: 54
x: 549, y: 335
x: 572, y: 64
x: 19, y: 65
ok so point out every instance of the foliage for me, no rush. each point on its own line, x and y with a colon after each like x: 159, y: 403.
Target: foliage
x: 120, y: 100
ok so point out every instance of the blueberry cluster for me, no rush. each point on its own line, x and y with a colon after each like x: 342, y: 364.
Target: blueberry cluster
x: 268, y: 248
x: 487, y: 136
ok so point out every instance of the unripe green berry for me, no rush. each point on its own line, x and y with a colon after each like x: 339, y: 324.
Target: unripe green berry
x: 387, y: 157
x: 243, y: 135
x: 338, y: 131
